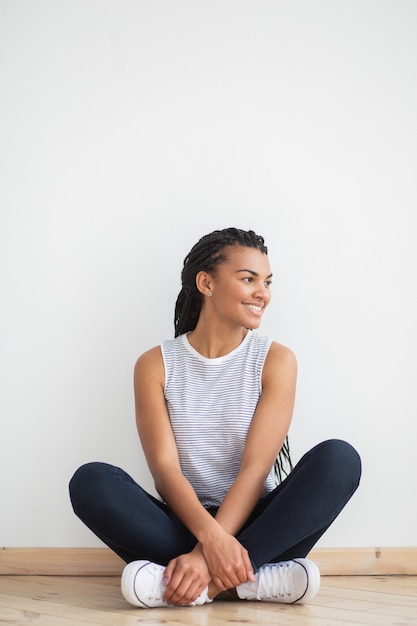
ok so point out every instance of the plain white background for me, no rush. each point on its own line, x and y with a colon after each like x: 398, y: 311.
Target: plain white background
x: 129, y: 129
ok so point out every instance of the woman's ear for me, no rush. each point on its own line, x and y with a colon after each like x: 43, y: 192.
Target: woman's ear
x: 204, y: 283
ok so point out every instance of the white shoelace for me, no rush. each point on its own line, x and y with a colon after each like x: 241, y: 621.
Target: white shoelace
x: 155, y: 595
x: 274, y: 582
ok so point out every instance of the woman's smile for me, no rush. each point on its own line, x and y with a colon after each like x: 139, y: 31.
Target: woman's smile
x: 256, y: 309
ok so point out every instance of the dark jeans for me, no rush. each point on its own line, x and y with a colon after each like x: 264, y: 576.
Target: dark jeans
x: 284, y: 525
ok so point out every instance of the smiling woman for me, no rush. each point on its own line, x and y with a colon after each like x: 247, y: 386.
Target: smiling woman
x: 237, y: 294
x: 213, y: 410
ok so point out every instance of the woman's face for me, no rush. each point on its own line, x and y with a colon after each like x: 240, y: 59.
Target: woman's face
x: 241, y: 287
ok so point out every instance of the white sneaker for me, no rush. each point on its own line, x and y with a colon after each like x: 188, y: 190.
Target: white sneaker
x: 288, y: 582
x: 142, y: 585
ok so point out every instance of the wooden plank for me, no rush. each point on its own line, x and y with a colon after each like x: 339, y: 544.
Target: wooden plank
x: 83, y: 601
x: 99, y: 592
x: 368, y: 592
x: 366, y: 561
x: 103, y: 562
x: 400, y: 585
x: 216, y: 614
x: 21, y: 617
x: 60, y: 562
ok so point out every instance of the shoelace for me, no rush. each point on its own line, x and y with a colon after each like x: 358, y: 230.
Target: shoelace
x: 275, y: 581
x: 155, y: 594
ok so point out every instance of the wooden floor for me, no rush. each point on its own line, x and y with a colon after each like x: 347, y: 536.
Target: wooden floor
x: 82, y: 601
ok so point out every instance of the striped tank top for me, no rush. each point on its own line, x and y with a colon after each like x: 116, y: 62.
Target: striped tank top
x: 211, y: 403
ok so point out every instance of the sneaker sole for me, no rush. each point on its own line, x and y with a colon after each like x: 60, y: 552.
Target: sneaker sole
x: 313, y: 580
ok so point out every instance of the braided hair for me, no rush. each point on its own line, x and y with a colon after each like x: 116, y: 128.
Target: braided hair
x: 209, y: 252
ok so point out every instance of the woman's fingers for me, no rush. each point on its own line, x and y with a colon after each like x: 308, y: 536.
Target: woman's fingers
x: 186, y: 592
x: 229, y: 566
x: 249, y: 568
x: 230, y: 575
x: 185, y: 578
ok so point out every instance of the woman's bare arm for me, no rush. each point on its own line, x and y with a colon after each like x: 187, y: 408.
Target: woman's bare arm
x: 266, y: 436
x: 187, y: 575
x: 159, y: 444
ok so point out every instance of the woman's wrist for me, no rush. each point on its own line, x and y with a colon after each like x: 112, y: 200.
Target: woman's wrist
x: 211, y: 533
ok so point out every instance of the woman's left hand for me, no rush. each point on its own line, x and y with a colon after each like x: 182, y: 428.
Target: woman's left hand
x: 186, y: 577
x: 228, y: 561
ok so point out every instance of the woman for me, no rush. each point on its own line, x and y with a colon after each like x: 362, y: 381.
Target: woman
x: 213, y: 409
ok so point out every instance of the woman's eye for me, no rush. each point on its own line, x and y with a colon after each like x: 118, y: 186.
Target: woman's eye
x: 248, y: 279
x: 268, y: 283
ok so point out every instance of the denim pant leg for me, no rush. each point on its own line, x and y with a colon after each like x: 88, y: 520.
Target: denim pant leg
x: 289, y: 521
x: 130, y: 521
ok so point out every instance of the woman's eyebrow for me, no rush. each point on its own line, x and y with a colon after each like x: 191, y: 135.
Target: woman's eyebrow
x: 253, y: 273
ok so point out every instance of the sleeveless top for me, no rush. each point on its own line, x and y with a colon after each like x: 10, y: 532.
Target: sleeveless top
x: 211, y: 403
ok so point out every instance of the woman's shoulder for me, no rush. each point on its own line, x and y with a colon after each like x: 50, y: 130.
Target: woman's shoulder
x: 280, y: 350
x: 149, y: 362
x: 280, y: 358
x: 273, y: 348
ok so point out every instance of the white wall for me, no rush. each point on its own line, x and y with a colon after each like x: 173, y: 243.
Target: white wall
x: 129, y: 128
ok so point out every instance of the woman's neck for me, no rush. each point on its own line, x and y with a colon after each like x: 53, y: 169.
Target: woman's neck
x: 214, y: 343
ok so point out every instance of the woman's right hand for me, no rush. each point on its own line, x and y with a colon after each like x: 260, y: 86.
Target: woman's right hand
x: 185, y: 578
x: 227, y: 560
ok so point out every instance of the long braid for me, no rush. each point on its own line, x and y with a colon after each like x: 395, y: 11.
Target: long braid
x: 283, y: 463
x: 204, y: 256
